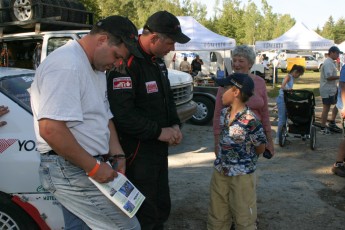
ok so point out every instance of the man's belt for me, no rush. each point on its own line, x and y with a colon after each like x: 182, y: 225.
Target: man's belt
x: 104, y: 157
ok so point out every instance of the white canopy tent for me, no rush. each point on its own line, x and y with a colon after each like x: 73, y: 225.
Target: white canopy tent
x: 203, y: 41
x: 299, y: 37
x: 341, y: 46
x: 201, y: 37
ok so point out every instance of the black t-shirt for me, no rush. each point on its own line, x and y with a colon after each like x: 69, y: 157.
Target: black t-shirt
x: 196, y: 66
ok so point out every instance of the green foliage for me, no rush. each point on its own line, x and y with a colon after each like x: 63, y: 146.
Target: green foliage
x: 243, y: 22
x: 230, y: 22
x: 92, y: 6
x: 284, y: 23
x: 268, y: 23
x: 339, y: 31
x: 251, y: 24
x: 328, y: 29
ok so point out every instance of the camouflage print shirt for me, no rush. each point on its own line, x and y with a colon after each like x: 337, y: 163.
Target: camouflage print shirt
x: 237, y: 143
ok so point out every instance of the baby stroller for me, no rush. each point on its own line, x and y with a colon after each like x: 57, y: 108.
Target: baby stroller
x: 300, y: 109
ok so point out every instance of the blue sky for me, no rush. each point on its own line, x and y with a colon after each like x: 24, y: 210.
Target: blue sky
x: 312, y: 13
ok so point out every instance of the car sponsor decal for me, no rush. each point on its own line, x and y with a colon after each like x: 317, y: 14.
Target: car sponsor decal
x: 151, y: 87
x: 6, y: 143
x: 122, y: 83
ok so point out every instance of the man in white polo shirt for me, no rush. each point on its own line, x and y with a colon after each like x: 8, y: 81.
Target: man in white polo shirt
x: 328, y: 89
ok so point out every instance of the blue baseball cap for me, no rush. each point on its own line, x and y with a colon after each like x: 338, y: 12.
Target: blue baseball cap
x: 334, y: 49
x: 240, y: 80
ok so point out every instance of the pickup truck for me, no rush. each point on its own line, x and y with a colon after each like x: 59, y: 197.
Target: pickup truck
x: 24, y: 204
x: 28, y: 50
x: 205, y: 92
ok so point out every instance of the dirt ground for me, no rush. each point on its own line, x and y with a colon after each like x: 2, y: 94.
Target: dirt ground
x: 296, y: 188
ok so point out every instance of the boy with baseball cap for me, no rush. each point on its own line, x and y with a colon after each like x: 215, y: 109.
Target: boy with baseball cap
x: 242, y: 139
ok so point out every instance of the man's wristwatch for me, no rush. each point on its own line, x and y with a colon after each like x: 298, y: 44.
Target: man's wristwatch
x: 117, y: 156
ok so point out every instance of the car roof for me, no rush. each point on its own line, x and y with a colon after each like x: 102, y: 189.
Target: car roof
x: 10, y: 71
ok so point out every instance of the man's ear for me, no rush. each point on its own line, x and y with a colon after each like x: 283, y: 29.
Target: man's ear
x: 102, y: 38
x: 154, y: 38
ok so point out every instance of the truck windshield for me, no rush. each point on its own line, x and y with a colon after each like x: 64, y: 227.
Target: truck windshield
x: 16, y: 87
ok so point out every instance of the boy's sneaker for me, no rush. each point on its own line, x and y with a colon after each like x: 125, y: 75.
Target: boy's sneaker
x: 334, y: 127
x: 339, y: 169
x: 325, y: 131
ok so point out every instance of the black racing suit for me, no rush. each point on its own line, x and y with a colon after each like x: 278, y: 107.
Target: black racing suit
x: 142, y: 104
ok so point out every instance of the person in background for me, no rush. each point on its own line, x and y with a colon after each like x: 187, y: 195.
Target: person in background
x: 3, y: 110
x: 242, y: 62
x: 265, y: 63
x: 196, y: 65
x: 342, y: 60
x: 339, y: 166
x: 146, y: 118
x: 185, y: 66
x: 287, y: 84
x: 275, y: 64
x: 74, y: 131
x: 328, y: 90
x: 233, y: 183
x: 338, y: 63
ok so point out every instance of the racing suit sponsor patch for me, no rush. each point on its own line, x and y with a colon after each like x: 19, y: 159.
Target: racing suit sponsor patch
x: 151, y: 87
x: 122, y: 83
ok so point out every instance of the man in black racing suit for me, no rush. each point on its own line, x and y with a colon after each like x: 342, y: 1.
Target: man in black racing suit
x: 145, y: 116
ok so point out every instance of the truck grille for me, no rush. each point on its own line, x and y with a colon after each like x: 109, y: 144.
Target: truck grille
x: 182, y: 93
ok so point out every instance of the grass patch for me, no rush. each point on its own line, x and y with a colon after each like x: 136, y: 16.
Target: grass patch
x: 309, y: 81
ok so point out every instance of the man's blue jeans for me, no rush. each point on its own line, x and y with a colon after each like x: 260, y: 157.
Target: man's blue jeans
x: 73, y: 189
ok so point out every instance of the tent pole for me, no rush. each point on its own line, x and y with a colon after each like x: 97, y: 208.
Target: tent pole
x: 224, y: 63
x: 274, y: 76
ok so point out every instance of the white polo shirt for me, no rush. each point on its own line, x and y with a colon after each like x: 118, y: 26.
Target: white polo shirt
x: 328, y: 69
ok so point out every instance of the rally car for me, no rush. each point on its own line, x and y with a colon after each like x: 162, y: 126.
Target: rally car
x: 24, y: 204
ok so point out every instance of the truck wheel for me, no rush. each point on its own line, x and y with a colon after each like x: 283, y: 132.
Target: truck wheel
x: 26, y: 10
x: 4, y: 14
x: 204, y: 112
x: 13, y: 217
x: 23, y: 10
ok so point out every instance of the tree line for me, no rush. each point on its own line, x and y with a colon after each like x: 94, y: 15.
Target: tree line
x: 246, y: 23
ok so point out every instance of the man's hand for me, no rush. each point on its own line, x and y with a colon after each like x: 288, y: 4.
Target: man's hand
x: 104, y: 174
x: 178, y: 137
x: 172, y: 135
x: 118, y: 163
x: 167, y: 134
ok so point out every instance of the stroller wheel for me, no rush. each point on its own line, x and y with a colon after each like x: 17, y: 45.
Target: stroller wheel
x: 312, y: 137
x: 282, y: 136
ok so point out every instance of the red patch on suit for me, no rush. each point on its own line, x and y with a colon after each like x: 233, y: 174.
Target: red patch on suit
x: 151, y: 87
x: 122, y: 83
